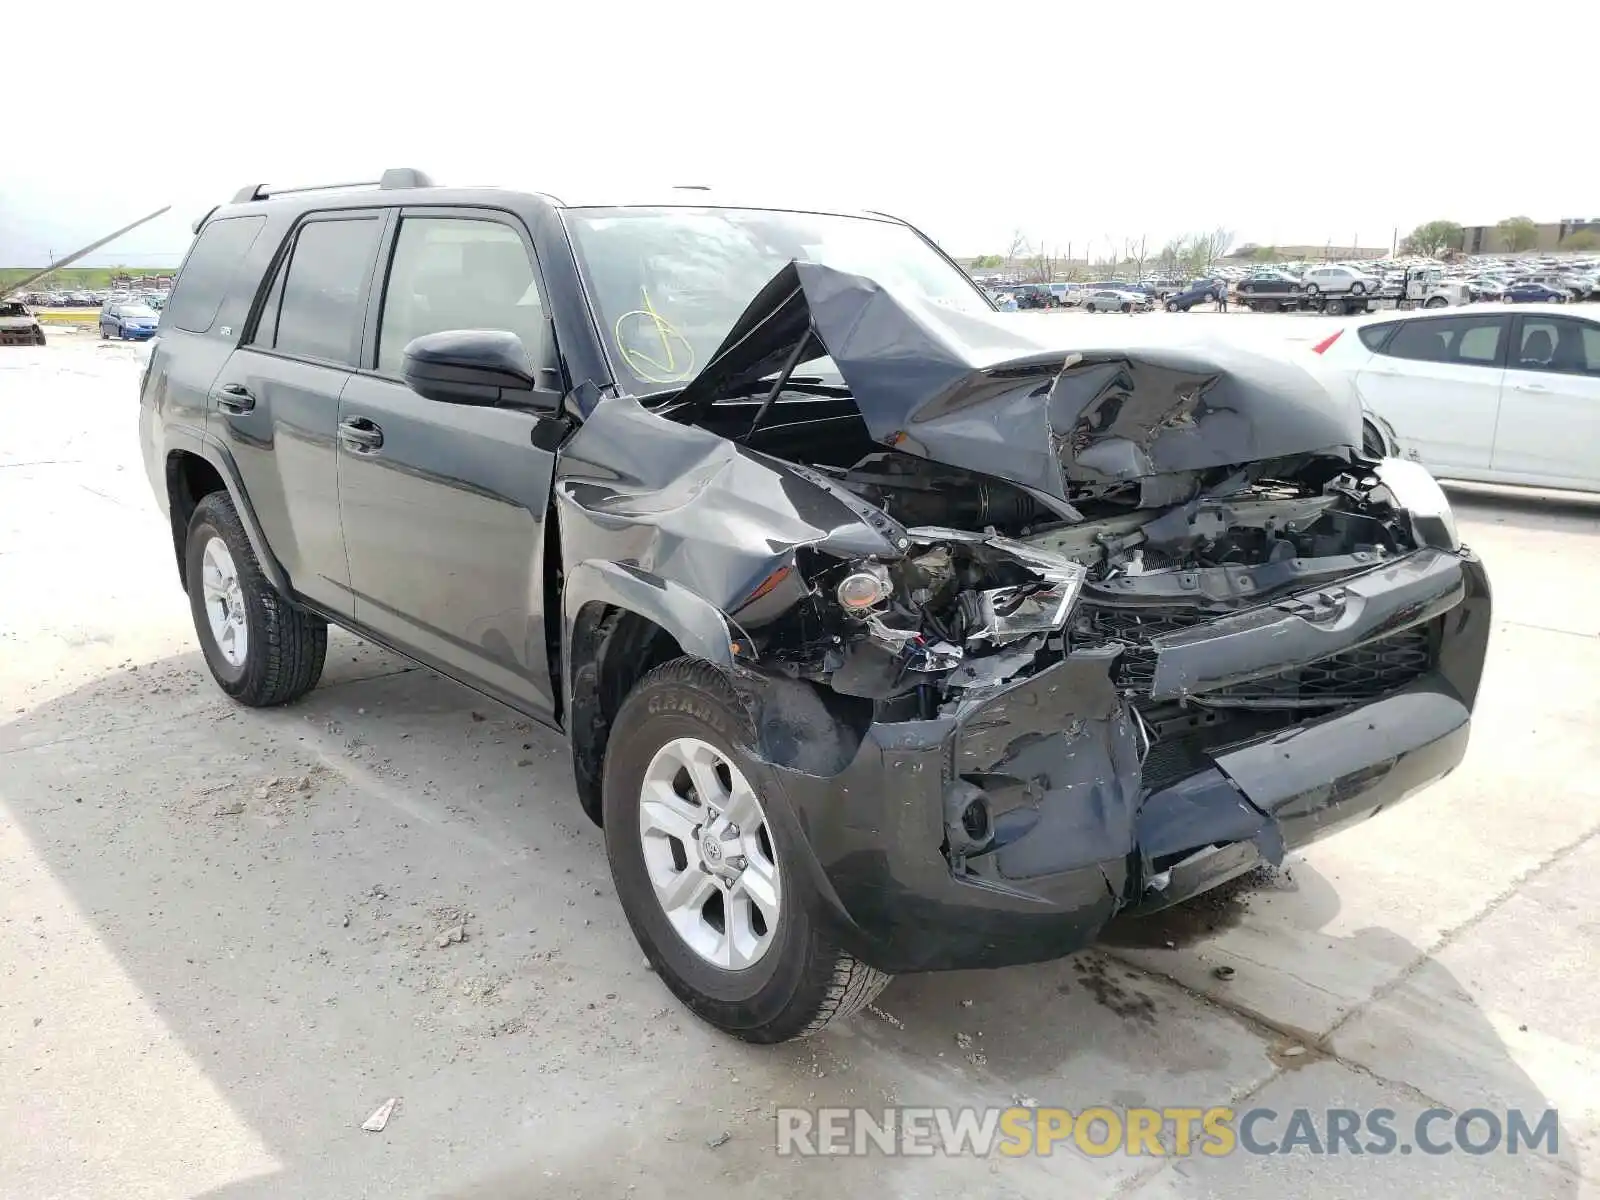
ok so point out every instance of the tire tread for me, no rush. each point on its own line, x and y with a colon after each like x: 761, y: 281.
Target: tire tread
x: 836, y: 984
x: 294, y: 642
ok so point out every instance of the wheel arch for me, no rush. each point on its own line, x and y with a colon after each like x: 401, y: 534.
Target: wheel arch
x: 195, y: 470
x: 619, y: 623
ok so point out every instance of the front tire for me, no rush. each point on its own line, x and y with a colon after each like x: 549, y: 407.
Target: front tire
x: 1172, y: 306
x: 713, y: 889
x: 260, y: 649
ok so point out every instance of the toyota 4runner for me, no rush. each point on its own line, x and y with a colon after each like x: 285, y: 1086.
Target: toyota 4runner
x: 889, y: 633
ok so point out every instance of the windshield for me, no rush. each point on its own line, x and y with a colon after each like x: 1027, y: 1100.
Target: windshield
x: 667, y: 284
x: 136, y: 310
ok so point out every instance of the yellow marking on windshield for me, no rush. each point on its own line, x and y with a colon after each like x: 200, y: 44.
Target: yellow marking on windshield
x: 670, y: 367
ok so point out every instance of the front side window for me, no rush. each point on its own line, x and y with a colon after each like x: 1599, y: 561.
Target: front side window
x: 667, y: 284
x: 1462, y: 341
x: 459, y: 273
x: 315, y: 307
x: 1560, y: 344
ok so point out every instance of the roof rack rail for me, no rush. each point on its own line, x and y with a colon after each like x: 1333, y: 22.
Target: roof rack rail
x: 393, y: 179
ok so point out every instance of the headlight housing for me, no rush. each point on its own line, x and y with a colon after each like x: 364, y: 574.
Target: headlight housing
x: 1419, y: 495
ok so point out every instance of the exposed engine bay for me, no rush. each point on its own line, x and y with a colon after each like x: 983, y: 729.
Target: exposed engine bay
x: 993, y: 584
x: 1030, y: 632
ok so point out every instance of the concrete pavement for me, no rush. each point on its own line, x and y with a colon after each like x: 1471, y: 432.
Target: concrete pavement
x: 218, y: 927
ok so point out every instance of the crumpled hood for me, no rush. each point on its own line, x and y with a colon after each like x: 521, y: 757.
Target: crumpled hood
x: 1032, y: 400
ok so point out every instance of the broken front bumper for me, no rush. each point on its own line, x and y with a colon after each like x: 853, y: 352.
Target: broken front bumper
x: 1058, y: 760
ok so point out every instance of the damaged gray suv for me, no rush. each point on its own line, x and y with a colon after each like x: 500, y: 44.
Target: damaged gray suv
x: 889, y: 633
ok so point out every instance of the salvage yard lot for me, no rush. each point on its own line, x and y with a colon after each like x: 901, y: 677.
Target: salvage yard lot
x: 226, y: 935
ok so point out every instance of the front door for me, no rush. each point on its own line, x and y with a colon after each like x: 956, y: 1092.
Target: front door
x: 1549, y: 431
x: 444, y: 505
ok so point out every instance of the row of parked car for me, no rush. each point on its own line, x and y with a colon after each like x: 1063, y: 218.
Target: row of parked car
x: 89, y: 299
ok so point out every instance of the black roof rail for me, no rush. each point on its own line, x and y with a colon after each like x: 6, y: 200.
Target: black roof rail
x: 393, y: 179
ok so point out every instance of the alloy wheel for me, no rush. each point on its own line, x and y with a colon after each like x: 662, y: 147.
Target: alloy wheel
x: 708, y: 852
x: 224, y: 599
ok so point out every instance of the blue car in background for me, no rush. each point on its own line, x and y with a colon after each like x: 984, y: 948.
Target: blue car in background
x: 128, y: 321
x: 1199, y: 292
x: 1525, y: 293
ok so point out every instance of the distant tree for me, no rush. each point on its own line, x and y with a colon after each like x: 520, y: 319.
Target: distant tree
x: 986, y: 260
x: 1041, y: 265
x: 1430, y: 238
x: 1265, y: 254
x: 1518, y: 233
x: 1018, y: 247
x: 1171, y: 257
x: 1136, y: 252
x: 1201, y: 250
x: 1583, y: 239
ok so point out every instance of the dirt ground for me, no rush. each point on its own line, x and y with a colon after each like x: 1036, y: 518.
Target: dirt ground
x: 226, y: 935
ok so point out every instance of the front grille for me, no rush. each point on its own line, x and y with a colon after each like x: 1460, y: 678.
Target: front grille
x: 1360, y: 674
x: 1364, y: 673
x: 1135, y: 627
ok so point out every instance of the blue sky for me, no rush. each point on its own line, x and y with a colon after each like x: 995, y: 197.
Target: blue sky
x: 1079, y: 124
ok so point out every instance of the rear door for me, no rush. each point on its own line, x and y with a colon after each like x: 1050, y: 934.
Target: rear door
x: 1437, y: 381
x: 1549, y: 430
x: 444, y: 505
x: 276, y: 402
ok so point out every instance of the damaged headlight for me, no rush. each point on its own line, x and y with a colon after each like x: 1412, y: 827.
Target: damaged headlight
x: 865, y: 587
x: 958, y: 596
x: 1000, y: 616
x: 1419, y: 495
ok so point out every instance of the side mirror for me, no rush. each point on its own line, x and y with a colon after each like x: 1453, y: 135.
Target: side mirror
x: 488, y: 368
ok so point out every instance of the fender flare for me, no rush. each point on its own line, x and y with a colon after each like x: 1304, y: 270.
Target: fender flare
x: 697, y: 625
x: 188, y: 440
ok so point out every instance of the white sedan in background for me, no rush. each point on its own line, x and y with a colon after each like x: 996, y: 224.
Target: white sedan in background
x: 1107, y: 300
x: 1497, y: 394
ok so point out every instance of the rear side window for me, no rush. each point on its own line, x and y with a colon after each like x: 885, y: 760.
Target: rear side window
x: 1462, y: 341
x: 317, y: 301
x: 207, y: 274
x: 1373, y: 336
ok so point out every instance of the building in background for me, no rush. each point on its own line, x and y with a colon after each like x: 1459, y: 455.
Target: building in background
x: 1486, y: 239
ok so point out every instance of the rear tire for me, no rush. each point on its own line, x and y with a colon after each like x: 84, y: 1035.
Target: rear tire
x: 793, y: 977
x: 267, y: 651
x: 1312, y: 289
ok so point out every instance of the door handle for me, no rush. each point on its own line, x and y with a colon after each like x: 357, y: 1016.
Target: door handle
x: 234, y: 398
x: 1531, y: 387
x: 360, y: 435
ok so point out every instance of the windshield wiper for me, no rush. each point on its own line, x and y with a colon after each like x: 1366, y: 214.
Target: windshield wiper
x: 806, y: 385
